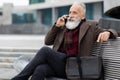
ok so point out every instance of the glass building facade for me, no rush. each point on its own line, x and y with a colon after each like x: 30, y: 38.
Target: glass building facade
x: 23, y: 18
x: 46, y: 16
x: 36, y: 1
x: 1, y: 13
x: 102, y: 12
x: 63, y: 10
x: 89, y: 10
x: 47, y: 13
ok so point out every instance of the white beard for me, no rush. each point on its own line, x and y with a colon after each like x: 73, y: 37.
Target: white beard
x: 72, y: 23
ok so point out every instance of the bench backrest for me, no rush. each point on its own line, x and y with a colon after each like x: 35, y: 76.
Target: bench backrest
x: 111, y: 59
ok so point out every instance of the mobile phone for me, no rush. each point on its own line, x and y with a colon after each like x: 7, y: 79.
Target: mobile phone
x: 66, y: 19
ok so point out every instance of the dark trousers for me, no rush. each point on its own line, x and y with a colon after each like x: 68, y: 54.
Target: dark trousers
x: 46, y: 63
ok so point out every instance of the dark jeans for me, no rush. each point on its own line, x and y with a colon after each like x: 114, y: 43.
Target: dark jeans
x: 46, y: 63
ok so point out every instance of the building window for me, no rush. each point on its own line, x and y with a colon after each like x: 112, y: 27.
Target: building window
x: 102, y: 12
x: 23, y: 18
x: 47, y: 16
x: 63, y: 10
x: 1, y: 13
x: 36, y: 1
x: 29, y: 18
x: 89, y: 10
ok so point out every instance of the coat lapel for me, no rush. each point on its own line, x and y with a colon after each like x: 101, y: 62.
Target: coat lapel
x: 83, y: 29
x: 60, y: 39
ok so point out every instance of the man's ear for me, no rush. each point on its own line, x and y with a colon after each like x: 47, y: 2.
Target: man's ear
x: 83, y: 18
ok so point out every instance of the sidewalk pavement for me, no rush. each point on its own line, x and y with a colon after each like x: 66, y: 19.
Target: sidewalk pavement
x: 7, y: 73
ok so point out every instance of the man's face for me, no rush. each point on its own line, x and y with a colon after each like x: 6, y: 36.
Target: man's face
x: 76, y: 11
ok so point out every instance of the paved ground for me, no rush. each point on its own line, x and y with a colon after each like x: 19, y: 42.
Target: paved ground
x: 16, y: 43
x: 21, y: 41
x: 6, y: 73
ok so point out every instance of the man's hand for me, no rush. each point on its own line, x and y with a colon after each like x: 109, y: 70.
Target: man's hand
x: 103, y: 36
x: 61, y: 21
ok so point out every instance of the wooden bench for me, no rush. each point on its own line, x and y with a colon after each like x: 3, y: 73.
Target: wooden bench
x: 110, y: 52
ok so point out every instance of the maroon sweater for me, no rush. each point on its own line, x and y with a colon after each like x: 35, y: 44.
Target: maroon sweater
x: 71, y: 42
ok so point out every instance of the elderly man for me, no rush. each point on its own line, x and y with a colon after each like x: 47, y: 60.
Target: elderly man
x: 71, y: 35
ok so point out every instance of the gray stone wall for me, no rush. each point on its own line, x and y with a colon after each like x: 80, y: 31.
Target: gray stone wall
x: 30, y: 28
x: 7, y: 14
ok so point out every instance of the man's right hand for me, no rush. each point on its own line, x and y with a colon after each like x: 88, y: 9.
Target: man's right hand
x: 61, y: 21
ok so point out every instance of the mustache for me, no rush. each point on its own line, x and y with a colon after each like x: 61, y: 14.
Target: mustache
x: 71, y: 19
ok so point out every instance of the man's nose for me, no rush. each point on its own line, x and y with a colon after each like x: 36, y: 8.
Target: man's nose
x: 71, y: 16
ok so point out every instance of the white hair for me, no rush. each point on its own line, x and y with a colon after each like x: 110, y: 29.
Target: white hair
x: 81, y: 4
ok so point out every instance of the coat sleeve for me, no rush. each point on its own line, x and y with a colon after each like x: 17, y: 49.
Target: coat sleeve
x: 51, y: 35
x: 113, y: 33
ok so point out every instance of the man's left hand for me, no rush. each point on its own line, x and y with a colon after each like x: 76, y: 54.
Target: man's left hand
x: 103, y: 36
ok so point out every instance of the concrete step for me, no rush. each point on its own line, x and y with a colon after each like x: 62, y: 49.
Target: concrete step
x: 19, y: 49
x: 8, y: 59
x: 6, y: 65
x: 4, y: 79
x: 13, y: 46
x: 15, y: 54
